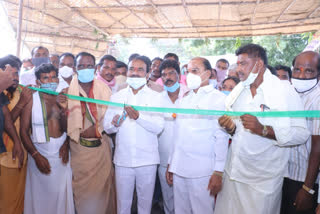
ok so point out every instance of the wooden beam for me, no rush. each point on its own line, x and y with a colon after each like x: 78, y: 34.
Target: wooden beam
x: 133, y: 13
x: 219, y: 14
x: 188, y: 13
x: 285, y: 10
x: 19, y: 28
x: 254, y: 12
x: 90, y: 22
x: 160, y: 12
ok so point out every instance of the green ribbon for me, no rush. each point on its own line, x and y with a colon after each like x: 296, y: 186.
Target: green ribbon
x: 308, y: 114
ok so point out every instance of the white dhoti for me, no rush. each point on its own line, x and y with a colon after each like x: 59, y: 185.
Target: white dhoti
x: 240, y: 198
x: 167, y: 191
x: 127, y: 178
x: 52, y: 193
x: 191, y: 195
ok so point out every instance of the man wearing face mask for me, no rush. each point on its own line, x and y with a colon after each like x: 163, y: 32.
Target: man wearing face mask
x: 222, y: 66
x: 49, y: 175
x: 39, y: 56
x: 93, y: 173
x: 196, y: 162
x: 170, y: 74
x: 66, y: 69
x: 301, y: 184
x: 257, y: 161
x: 136, y: 155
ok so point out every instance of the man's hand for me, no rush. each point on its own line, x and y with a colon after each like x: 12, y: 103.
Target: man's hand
x: 42, y: 163
x: 25, y: 96
x: 64, y: 152
x: 62, y: 99
x: 215, y: 184
x: 17, y: 151
x: 133, y: 114
x: 304, y: 200
x: 115, y: 121
x: 227, y: 123
x: 251, y: 122
x: 169, y: 176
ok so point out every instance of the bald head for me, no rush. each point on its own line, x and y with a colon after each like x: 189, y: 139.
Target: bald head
x: 306, y: 65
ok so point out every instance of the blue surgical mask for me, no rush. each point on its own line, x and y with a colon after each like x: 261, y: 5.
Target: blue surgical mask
x: 51, y: 86
x: 172, y: 88
x: 40, y: 60
x: 136, y: 82
x: 86, y: 75
x: 226, y: 92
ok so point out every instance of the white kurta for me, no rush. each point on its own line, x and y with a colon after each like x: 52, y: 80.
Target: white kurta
x: 52, y: 193
x: 256, y: 165
x: 200, y: 149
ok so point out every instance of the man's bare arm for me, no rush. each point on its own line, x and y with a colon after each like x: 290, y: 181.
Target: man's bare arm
x: 25, y: 125
x: 12, y: 132
x: 25, y: 97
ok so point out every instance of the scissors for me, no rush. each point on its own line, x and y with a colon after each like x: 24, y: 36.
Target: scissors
x: 123, y: 115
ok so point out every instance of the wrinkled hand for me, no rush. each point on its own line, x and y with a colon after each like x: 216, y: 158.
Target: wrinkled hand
x: 169, y: 176
x: 115, y: 121
x: 318, y: 209
x: 132, y: 114
x: 42, y: 163
x: 227, y: 123
x: 64, y: 152
x: 17, y: 151
x: 251, y: 122
x: 62, y: 99
x: 304, y: 200
x: 215, y: 184
x: 25, y: 96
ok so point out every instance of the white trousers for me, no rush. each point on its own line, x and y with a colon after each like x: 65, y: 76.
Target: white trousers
x: 167, y: 191
x: 191, y: 195
x: 127, y: 178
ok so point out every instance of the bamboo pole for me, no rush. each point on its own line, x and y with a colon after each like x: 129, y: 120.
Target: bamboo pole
x: 19, y: 28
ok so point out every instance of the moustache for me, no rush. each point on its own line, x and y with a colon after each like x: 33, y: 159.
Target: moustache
x: 168, y: 81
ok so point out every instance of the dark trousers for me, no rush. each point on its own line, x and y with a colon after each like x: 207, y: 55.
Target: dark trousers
x: 289, y: 192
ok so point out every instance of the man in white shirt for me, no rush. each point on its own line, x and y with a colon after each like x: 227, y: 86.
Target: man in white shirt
x: 40, y: 55
x: 256, y: 161
x: 66, y: 70
x: 197, y: 160
x: 170, y: 74
x: 136, y: 151
x: 301, y: 184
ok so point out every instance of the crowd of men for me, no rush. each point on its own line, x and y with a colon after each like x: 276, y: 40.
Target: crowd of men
x: 64, y: 155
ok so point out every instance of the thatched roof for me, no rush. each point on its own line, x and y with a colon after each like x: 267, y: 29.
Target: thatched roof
x: 75, y: 25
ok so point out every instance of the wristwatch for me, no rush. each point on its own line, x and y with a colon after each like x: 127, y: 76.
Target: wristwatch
x: 265, y: 131
x: 309, y: 190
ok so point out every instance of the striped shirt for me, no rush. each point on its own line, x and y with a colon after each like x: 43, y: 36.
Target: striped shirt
x: 299, y: 155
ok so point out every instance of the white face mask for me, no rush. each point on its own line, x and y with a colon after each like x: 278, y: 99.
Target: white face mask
x: 136, y: 82
x: 251, y: 77
x: 194, y: 81
x: 65, y: 71
x: 304, y: 85
x: 213, y: 82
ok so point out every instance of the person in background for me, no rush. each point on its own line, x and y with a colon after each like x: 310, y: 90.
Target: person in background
x: 54, y: 60
x: 26, y: 65
x: 283, y: 72
x: 228, y: 84
x: 232, y: 72
x: 106, y: 70
x: 39, y: 55
x: 66, y: 70
x: 213, y: 79
x: 121, y: 73
x: 222, y: 66
x: 155, y: 74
